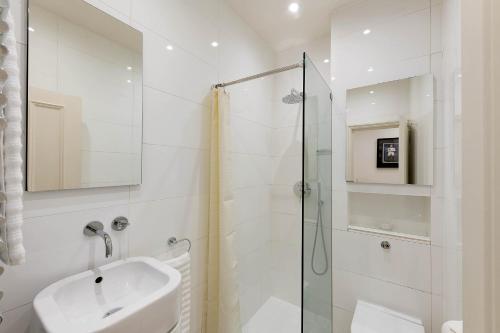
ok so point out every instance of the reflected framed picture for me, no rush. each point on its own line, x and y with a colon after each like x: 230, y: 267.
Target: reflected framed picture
x: 388, y: 153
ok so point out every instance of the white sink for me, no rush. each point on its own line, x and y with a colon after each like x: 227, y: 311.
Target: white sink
x: 134, y: 295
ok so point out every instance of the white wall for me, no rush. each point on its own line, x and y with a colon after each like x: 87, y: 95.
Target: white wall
x: 406, y: 40
x: 172, y: 201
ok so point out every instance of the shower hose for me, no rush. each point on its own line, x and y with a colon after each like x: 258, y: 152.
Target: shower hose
x: 319, y: 229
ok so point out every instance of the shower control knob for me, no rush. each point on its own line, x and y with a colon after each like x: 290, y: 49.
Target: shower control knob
x: 120, y: 223
x: 385, y: 245
x: 301, y: 190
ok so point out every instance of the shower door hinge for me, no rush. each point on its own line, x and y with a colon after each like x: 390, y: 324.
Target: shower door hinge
x: 331, y: 97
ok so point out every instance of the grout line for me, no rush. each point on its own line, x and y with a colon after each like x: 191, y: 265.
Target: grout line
x: 174, y: 95
x: 177, y: 44
x: 383, y: 280
x: 87, y: 209
x: 17, y: 307
x: 387, y: 20
x: 172, y: 146
x: 134, y: 201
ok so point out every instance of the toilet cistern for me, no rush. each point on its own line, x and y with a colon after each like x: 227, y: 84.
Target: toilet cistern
x: 96, y: 228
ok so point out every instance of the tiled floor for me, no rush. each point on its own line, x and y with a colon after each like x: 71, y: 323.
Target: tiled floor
x: 275, y: 316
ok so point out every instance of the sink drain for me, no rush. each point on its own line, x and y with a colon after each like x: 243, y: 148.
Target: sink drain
x: 110, y: 312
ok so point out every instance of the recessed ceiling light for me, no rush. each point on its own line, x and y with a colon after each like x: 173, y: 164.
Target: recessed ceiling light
x: 214, y: 44
x: 372, y: 92
x: 373, y: 103
x: 370, y: 69
x: 169, y: 47
x: 293, y: 7
x: 367, y: 32
x: 326, y: 61
x: 31, y: 29
x: 129, y: 68
x: 333, y: 78
x: 129, y: 81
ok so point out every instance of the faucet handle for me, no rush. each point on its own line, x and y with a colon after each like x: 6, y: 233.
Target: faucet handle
x: 120, y: 223
x: 93, y: 228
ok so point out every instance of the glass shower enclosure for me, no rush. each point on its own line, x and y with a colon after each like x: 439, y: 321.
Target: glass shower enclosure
x: 317, y: 202
x: 282, y: 169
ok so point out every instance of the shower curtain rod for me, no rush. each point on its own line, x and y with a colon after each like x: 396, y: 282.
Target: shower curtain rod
x: 257, y: 76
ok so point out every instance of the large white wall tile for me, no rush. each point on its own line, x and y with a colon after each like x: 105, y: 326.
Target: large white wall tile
x: 173, y: 121
x: 190, y: 24
x: 284, y: 200
x: 437, y: 270
x: 405, y: 263
x: 251, y: 202
x: 250, y: 170
x: 176, y: 71
x: 342, y: 320
x: 181, y: 217
x: 287, y: 169
x: 437, y: 313
x: 170, y: 172
x: 17, y: 320
x: 357, y: 17
x: 249, y: 137
x: 55, y: 202
x: 350, y: 287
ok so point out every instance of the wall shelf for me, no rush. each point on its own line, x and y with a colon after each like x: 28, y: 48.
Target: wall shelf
x: 379, y: 232
x: 410, y: 190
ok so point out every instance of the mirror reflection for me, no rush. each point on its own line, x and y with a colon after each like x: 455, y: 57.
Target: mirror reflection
x: 390, y: 132
x: 84, y: 98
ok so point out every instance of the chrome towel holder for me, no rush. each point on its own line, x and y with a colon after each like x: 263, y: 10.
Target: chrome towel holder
x: 172, y: 241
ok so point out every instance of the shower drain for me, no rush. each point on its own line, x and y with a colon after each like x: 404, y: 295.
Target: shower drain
x: 110, y: 312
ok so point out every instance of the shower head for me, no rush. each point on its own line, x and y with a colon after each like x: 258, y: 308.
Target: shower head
x: 293, y: 98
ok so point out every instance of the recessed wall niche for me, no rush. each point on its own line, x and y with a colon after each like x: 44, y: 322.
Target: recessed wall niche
x: 399, y: 215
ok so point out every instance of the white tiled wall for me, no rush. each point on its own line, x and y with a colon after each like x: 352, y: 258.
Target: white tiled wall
x: 407, y: 39
x: 447, y: 245
x: 172, y: 201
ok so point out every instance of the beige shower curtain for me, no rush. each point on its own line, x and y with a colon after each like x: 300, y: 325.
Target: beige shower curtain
x: 222, y: 313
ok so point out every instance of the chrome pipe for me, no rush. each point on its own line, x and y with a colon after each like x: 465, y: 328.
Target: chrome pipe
x: 258, y: 76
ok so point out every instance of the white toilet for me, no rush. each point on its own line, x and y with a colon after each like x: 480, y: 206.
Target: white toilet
x: 371, y: 318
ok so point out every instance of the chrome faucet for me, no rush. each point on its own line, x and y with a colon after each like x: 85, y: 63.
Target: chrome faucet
x: 96, y: 228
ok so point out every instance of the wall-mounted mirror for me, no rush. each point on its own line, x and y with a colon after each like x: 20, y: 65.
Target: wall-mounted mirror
x: 84, y: 126
x: 390, y: 129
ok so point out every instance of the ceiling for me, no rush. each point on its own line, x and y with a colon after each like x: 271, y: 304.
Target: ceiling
x: 283, y: 29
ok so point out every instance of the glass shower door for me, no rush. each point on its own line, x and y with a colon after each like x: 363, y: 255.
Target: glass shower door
x: 316, y: 203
